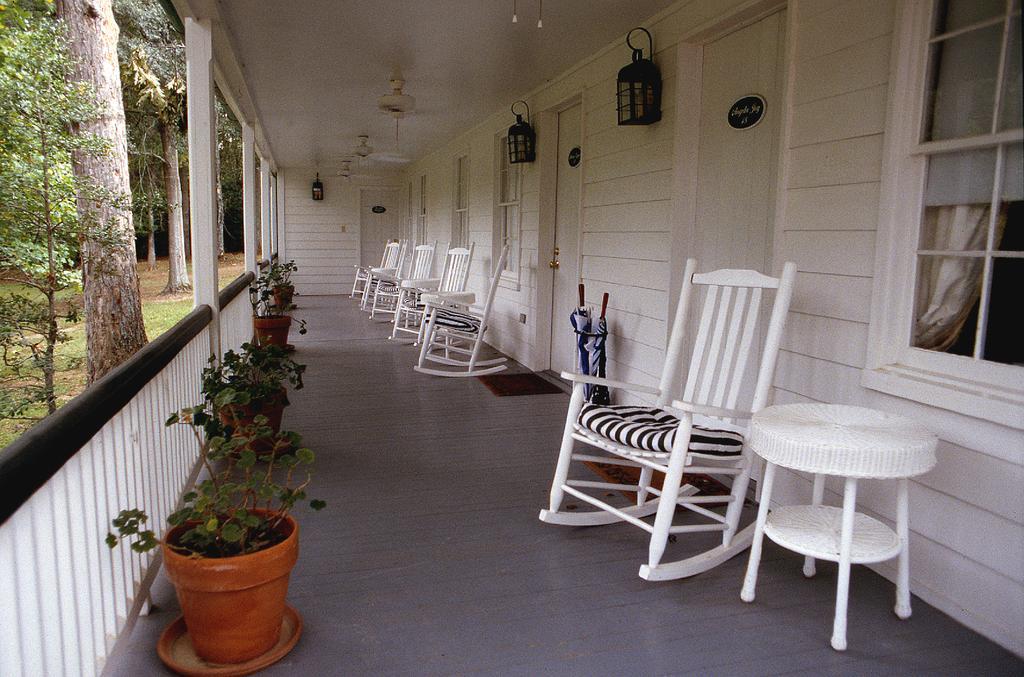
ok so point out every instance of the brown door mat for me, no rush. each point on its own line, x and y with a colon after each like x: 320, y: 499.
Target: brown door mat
x: 619, y: 474
x: 504, y: 385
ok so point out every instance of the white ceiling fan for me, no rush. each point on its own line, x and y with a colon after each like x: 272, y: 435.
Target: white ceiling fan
x: 397, y: 104
x: 346, y: 172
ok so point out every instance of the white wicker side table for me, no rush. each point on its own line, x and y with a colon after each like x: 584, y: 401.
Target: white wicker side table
x: 854, y: 443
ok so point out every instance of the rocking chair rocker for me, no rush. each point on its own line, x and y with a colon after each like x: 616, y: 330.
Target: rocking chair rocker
x: 455, y: 325
x: 698, y: 433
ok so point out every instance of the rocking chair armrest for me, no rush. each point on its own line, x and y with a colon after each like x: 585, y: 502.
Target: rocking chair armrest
x: 707, y: 410
x: 426, y: 284
x: 464, y: 298
x: 619, y: 385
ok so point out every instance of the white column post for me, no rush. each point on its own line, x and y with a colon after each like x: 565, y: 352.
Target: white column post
x: 202, y: 139
x: 282, y: 226
x: 265, y: 208
x: 249, y: 196
x: 273, y: 214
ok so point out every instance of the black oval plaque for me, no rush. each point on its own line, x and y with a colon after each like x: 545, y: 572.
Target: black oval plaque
x: 575, y: 155
x: 378, y: 209
x: 746, y: 112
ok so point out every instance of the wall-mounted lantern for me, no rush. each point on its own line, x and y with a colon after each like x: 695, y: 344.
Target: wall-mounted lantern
x: 318, y: 188
x: 522, y: 141
x: 639, y: 86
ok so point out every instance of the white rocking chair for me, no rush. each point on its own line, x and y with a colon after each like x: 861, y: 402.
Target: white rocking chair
x: 387, y: 293
x: 363, y: 273
x: 455, y: 325
x: 696, y: 434
x: 409, y: 312
x: 394, y: 257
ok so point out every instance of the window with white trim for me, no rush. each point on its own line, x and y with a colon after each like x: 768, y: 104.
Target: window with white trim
x: 410, y: 219
x: 460, y: 200
x: 948, y: 304
x: 421, y: 220
x: 508, y: 193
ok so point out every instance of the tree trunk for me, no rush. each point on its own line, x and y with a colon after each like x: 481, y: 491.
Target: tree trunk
x: 150, y: 239
x: 177, y: 273
x: 114, y: 327
x: 186, y: 208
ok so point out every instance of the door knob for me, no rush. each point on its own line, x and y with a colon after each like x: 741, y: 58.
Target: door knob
x: 553, y: 263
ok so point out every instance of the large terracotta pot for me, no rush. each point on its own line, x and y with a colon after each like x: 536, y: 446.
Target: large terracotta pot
x: 272, y: 330
x: 233, y: 606
x: 283, y: 295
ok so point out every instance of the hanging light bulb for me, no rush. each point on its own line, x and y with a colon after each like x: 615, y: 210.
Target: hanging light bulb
x: 515, y: 17
x: 540, y: 15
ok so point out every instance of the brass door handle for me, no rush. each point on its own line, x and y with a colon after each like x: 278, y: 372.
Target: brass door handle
x: 553, y: 263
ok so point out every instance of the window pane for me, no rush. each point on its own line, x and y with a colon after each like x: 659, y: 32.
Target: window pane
x: 1002, y: 334
x: 1009, y: 229
x: 962, y: 94
x: 1010, y: 110
x: 946, y: 304
x: 954, y: 14
x: 957, y: 200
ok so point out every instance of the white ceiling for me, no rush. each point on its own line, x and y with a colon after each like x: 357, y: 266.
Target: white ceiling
x: 315, y: 68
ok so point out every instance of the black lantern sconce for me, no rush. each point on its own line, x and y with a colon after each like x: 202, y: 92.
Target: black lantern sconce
x: 318, y: 188
x: 522, y: 140
x: 639, y: 87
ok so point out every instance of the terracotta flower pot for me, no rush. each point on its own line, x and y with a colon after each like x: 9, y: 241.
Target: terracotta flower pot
x: 233, y: 606
x: 271, y: 407
x: 283, y: 295
x: 272, y: 330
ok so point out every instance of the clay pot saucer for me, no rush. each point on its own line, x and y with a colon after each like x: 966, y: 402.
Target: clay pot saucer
x: 175, y: 650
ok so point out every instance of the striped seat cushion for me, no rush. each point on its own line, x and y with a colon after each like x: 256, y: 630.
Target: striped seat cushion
x: 453, y: 319
x: 653, y: 429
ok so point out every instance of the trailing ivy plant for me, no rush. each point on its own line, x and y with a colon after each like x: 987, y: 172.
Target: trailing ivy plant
x: 240, y: 507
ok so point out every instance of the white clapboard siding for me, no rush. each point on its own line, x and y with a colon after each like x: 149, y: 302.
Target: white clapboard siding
x: 967, y: 536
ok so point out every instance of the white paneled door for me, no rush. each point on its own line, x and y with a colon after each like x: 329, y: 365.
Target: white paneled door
x: 736, y: 167
x: 376, y: 227
x: 567, y: 224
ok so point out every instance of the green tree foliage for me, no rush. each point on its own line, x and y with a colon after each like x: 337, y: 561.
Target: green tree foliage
x: 39, y: 226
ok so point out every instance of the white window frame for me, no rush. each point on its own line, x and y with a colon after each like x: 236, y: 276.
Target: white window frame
x: 510, y: 275
x: 985, y: 390
x: 421, y: 217
x: 410, y: 218
x: 460, y: 201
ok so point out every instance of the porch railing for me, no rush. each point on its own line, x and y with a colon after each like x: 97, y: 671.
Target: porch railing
x: 65, y: 596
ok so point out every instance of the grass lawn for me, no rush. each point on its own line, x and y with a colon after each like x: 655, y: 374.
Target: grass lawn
x: 160, y: 314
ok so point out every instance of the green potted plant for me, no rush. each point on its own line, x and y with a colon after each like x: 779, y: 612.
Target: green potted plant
x: 270, y: 321
x: 230, y: 549
x: 281, y: 286
x: 261, y: 372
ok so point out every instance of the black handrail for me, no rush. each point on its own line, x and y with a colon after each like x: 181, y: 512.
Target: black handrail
x: 31, y: 460
x: 228, y: 293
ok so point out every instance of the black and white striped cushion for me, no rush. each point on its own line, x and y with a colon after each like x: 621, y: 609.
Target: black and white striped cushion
x: 653, y: 429
x: 453, y: 319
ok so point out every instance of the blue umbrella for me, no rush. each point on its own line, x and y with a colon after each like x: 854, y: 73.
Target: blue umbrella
x: 591, y: 339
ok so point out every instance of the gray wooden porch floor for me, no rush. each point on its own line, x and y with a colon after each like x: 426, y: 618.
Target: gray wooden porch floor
x: 430, y: 559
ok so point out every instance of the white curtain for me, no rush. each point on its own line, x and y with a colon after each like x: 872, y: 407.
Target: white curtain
x: 949, y: 286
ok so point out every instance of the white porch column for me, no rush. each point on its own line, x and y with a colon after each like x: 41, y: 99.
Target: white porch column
x: 202, y: 140
x: 273, y: 213
x: 265, y: 208
x: 281, y: 239
x: 249, y: 196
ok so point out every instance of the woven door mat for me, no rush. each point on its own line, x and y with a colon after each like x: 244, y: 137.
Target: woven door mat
x: 507, y: 385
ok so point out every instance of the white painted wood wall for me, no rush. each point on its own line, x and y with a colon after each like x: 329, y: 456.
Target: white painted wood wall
x: 321, y: 236
x: 967, y: 516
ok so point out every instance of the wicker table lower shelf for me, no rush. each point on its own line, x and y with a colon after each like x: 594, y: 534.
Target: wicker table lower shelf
x: 816, y: 531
